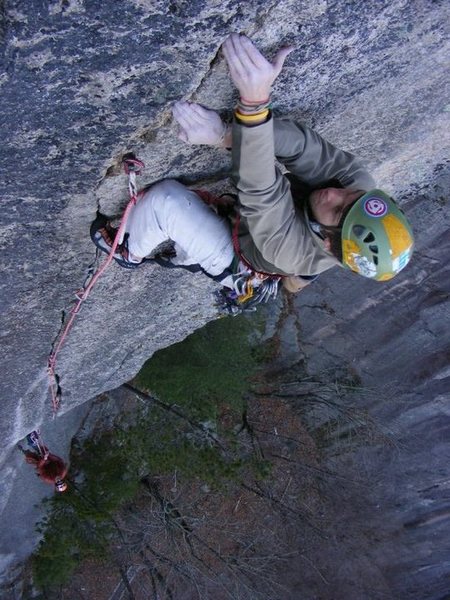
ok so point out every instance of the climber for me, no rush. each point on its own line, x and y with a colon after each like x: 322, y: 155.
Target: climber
x: 49, y: 467
x: 324, y: 212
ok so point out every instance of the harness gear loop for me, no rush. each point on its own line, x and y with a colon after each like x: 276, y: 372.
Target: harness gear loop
x: 132, y: 167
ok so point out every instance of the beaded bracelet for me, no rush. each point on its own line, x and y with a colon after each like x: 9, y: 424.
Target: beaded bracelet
x: 245, y: 109
x: 253, y: 102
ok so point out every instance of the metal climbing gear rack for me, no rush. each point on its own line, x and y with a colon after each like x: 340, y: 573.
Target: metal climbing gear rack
x: 250, y: 287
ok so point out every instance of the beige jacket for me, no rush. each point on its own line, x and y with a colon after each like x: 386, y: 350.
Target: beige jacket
x: 275, y: 235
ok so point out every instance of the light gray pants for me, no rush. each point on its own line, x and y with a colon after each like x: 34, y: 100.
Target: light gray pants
x: 168, y: 210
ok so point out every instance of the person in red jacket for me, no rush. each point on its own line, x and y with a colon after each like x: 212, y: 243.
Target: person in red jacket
x: 49, y: 467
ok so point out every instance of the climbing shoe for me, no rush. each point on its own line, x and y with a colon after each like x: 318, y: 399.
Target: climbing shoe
x: 103, y: 236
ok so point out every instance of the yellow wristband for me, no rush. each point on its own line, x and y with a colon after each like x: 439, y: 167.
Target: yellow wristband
x: 251, y: 118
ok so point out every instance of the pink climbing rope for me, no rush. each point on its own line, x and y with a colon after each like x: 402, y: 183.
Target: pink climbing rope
x: 132, y: 167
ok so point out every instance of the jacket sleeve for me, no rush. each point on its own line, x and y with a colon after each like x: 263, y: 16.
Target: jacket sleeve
x: 314, y: 160
x: 266, y: 203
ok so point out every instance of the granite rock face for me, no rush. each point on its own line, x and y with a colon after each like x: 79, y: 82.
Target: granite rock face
x: 84, y: 82
x: 392, y: 518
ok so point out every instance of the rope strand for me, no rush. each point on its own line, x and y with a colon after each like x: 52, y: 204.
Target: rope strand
x: 132, y: 168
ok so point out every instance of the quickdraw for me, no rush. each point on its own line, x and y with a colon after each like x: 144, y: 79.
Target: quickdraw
x: 231, y: 302
x: 132, y: 167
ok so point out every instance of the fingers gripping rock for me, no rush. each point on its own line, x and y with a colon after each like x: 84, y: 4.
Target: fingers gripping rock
x: 251, y: 72
x: 199, y: 125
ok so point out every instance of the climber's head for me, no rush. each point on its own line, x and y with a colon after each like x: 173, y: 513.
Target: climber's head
x: 329, y: 205
x: 60, y: 485
x: 368, y: 232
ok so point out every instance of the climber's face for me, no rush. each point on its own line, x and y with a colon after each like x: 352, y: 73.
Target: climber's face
x: 327, y: 205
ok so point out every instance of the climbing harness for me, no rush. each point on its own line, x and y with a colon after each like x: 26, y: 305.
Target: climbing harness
x: 132, y: 167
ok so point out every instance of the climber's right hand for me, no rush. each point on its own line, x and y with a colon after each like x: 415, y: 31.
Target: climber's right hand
x: 251, y: 72
x: 199, y: 125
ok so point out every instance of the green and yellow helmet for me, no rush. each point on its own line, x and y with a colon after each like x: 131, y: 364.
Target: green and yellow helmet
x: 377, y: 240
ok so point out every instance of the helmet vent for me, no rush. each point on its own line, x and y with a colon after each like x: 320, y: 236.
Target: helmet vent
x: 375, y: 260
x: 369, y: 238
x: 359, y: 230
x: 373, y: 248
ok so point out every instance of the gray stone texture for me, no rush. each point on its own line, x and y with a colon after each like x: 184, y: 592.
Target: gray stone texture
x: 82, y: 82
x: 392, y: 520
